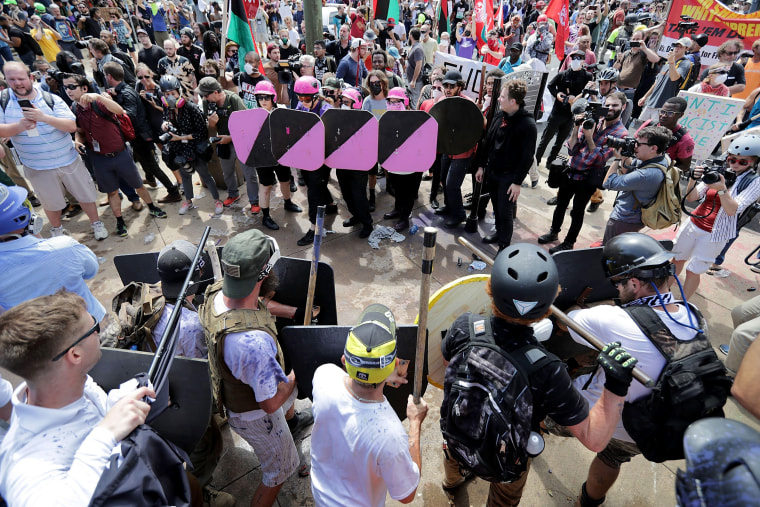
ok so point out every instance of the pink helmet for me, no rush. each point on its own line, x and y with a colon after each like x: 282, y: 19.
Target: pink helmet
x: 398, y: 93
x: 355, y: 96
x: 543, y: 18
x: 265, y: 88
x: 306, y: 85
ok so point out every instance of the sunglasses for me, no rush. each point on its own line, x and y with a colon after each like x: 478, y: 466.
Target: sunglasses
x: 668, y: 113
x: 143, y: 77
x: 618, y: 281
x: 717, y: 72
x: 742, y: 162
x: 259, y: 98
x: 71, y: 87
x: 731, y: 53
x: 306, y: 97
x: 449, y: 86
x: 94, y: 329
x: 577, y: 58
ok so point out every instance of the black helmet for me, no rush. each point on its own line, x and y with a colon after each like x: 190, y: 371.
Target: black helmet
x: 187, y: 31
x: 169, y: 83
x: 722, y: 464
x: 631, y: 19
x: 700, y: 39
x: 524, y: 281
x: 636, y: 254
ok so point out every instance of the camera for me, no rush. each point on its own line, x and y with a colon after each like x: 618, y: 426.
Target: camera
x: 56, y: 74
x: 627, y: 145
x: 212, y: 108
x: 686, y: 23
x: 284, y: 72
x: 167, y: 136
x: 214, y: 139
x: 149, y: 96
x: 591, y: 115
x: 712, y: 173
x: 83, y: 43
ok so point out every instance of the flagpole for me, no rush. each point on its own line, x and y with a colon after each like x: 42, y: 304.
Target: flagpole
x: 225, y: 24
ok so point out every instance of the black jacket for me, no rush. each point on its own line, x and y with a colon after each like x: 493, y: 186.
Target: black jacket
x: 569, y: 82
x: 506, y: 151
x: 131, y: 102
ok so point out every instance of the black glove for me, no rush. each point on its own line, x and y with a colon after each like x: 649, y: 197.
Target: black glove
x: 618, y: 368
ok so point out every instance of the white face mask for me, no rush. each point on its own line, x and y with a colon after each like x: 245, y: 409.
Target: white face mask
x: 719, y: 79
x: 444, y: 43
x: 248, y: 68
x: 437, y: 93
x: 343, y: 106
x: 576, y: 64
x: 398, y: 106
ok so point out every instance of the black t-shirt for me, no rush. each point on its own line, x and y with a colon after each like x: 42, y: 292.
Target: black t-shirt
x: 24, y: 48
x: 735, y: 75
x: 246, y: 84
x: 193, y: 53
x: 286, y: 53
x: 551, y: 386
x: 92, y: 27
x: 337, y: 51
x: 151, y: 56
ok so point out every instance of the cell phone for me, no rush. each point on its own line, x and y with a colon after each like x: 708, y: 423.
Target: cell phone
x: 25, y: 103
x: 635, y: 43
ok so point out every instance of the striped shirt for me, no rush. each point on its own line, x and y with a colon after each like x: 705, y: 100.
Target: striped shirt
x: 724, y: 227
x: 53, y: 148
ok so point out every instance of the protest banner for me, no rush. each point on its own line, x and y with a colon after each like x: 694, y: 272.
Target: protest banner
x: 707, y: 118
x: 714, y: 20
x: 470, y: 70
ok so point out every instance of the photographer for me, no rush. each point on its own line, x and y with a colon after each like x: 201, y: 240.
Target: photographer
x: 713, y: 223
x: 186, y: 148
x: 273, y: 74
x: 632, y: 62
x: 565, y: 87
x: 589, y: 153
x: 669, y: 81
x: 637, y: 180
x: 218, y: 105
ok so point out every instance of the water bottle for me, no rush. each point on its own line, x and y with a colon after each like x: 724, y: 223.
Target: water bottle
x: 413, y: 229
x: 535, y: 445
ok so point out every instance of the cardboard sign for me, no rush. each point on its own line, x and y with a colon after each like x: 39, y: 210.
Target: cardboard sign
x: 707, y: 118
x: 470, y: 69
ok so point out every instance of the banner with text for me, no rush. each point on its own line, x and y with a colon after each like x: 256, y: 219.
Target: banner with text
x: 707, y: 118
x: 712, y: 19
x: 470, y: 70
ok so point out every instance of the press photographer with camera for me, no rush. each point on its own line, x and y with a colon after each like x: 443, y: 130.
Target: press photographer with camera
x: 589, y: 154
x: 186, y: 144
x: 636, y: 173
x: 726, y: 191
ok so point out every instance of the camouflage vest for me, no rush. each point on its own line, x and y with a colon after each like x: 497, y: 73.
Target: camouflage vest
x: 229, y: 391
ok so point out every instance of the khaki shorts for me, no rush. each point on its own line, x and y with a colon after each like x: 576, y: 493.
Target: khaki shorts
x: 49, y: 184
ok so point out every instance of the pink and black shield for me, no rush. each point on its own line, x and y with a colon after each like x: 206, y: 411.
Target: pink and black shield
x: 298, y: 139
x: 460, y: 125
x: 408, y: 141
x: 351, y: 139
x: 250, y: 136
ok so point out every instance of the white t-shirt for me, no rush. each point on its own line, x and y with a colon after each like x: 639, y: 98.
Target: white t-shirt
x: 612, y: 324
x: 191, y: 339
x: 359, y: 451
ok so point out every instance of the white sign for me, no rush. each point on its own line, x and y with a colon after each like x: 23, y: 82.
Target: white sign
x: 707, y: 118
x: 470, y: 70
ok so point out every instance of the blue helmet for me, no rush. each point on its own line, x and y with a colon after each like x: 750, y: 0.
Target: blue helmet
x: 14, y: 213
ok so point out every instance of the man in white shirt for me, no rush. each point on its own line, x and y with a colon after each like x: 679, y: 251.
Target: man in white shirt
x: 61, y: 434
x: 359, y: 450
x: 636, y: 264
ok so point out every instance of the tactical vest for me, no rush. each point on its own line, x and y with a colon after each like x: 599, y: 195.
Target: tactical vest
x: 229, y: 391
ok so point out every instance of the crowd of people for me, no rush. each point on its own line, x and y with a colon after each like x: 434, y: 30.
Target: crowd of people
x: 92, y: 93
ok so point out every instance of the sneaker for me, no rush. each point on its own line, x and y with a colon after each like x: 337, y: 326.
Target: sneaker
x: 307, y: 239
x: 552, y: 201
x: 594, y: 206
x: 255, y: 208
x: 99, y: 230
x: 721, y: 273
x: 293, y: 186
x: 561, y: 247
x: 228, y: 201
x: 121, y: 229
x: 218, y: 207
x: 157, y: 213
x: 216, y: 498
x: 293, y: 207
x: 547, y: 238
x: 60, y: 231
x: 187, y: 205
x: 171, y: 197
x: 300, y: 421
x: 270, y: 224
x: 34, y: 201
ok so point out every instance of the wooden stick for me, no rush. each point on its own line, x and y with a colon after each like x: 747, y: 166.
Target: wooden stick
x: 314, y: 265
x: 584, y: 333
x: 428, y: 256
x: 216, y: 267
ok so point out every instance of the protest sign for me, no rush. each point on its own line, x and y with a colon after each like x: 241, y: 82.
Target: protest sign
x: 470, y: 70
x: 707, y: 118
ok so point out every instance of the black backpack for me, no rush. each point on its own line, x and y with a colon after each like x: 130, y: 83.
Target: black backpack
x: 487, y: 409
x: 693, y: 385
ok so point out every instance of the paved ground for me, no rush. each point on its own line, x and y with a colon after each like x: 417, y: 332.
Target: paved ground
x: 391, y: 275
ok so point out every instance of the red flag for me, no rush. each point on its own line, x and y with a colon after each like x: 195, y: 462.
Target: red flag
x: 483, y: 21
x: 559, y: 10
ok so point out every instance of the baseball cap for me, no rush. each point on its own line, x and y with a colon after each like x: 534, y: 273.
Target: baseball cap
x: 683, y: 41
x: 517, y: 46
x: 453, y: 77
x: 208, y: 85
x: 247, y: 259
x: 391, y: 22
x: 174, y: 262
x: 141, y: 30
x: 371, y: 345
x: 577, y: 52
x: 393, y: 51
x: 540, y: 4
x: 369, y: 35
x: 355, y: 43
x: 332, y: 83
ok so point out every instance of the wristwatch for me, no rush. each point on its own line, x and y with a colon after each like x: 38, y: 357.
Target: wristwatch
x: 721, y: 192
